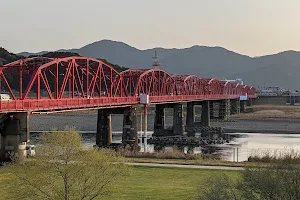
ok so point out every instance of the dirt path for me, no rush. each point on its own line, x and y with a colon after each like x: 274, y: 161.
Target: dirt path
x: 187, y: 166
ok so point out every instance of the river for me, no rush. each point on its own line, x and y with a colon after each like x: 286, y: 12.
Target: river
x: 239, y: 149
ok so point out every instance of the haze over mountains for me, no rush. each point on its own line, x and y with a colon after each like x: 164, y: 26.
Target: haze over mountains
x: 280, y: 69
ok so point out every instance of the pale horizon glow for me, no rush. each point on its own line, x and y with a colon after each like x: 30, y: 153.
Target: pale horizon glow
x: 248, y: 27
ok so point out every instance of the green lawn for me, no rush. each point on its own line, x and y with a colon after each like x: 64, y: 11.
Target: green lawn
x: 148, y: 183
x: 163, y: 183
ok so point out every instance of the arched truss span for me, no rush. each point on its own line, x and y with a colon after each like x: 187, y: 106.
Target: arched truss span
x: 156, y: 82
x: 70, y: 77
x: 245, y: 90
x: 252, y: 91
x: 130, y: 80
x: 179, y: 83
x: 17, y: 74
x: 227, y: 88
x: 83, y: 77
x: 194, y: 85
x: 213, y: 87
x: 239, y: 89
x: 29, y: 62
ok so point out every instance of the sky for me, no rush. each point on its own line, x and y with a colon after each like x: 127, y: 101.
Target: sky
x: 249, y: 27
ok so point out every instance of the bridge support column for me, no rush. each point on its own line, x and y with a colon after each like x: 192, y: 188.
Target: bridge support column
x: 104, y: 129
x: 178, y: 123
x: 205, y: 116
x: 191, y: 122
x: 211, y: 110
x: 224, y: 109
x: 14, y: 134
x: 235, y: 106
x: 190, y: 118
x: 242, y: 106
x: 159, y: 121
x: 130, y: 135
x: 249, y: 102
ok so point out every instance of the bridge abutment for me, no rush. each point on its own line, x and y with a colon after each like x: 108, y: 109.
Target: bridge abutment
x: 14, y: 134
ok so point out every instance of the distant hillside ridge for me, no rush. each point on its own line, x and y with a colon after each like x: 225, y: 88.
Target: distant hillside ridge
x: 7, y: 57
x: 280, y: 69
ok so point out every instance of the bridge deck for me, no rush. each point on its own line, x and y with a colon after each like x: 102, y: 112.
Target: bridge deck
x: 36, y: 105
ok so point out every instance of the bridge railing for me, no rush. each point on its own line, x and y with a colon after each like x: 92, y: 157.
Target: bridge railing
x: 82, y: 103
x: 67, y: 103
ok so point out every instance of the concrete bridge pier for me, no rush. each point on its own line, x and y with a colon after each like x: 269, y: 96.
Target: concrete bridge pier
x: 14, y: 134
x: 224, y: 109
x: 205, y: 115
x: 242, y: 106
x: 159, y: 120
x: 130, y: 134
x: 191, y: 118
x: 104, y: 128
x: 250, y: 102
x: 235, y: 106
x: 178, y: 119
x: 212, y: 109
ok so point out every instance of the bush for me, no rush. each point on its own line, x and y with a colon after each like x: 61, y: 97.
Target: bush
x: 277, y: 182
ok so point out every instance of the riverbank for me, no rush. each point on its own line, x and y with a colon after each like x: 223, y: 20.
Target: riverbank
x: 264, y: 119
x: 268, y: 125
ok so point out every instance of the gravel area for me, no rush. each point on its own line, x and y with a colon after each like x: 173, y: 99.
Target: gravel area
x: 87, y: 122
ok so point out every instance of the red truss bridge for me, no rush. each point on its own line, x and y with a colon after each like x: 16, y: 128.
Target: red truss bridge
x: 57, y: 84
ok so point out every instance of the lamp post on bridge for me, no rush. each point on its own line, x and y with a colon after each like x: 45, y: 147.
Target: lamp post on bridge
x: 144, y: 99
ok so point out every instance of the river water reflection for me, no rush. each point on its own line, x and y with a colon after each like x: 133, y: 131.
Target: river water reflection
x: 238, y: 149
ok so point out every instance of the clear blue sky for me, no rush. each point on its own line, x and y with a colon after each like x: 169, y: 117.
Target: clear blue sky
x: 251, y: 27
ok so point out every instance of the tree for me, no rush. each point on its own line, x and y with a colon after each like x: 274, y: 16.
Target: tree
x: 63, y: 170
x: 275, y: 182
x: 280, y: 181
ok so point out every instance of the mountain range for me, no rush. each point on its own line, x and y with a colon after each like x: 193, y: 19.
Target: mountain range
x: 280, y: 69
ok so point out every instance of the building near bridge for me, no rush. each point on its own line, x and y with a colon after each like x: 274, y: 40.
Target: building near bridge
x: 276, y: 95
x: 238, y: 80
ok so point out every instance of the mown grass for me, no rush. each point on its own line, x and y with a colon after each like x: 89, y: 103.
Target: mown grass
x: 146, y: 183
x: 163, y: 183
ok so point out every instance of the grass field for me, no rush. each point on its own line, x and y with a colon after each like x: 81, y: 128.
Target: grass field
x: 163, y: 183
x: 147, y: 183
x: 270, y: 111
